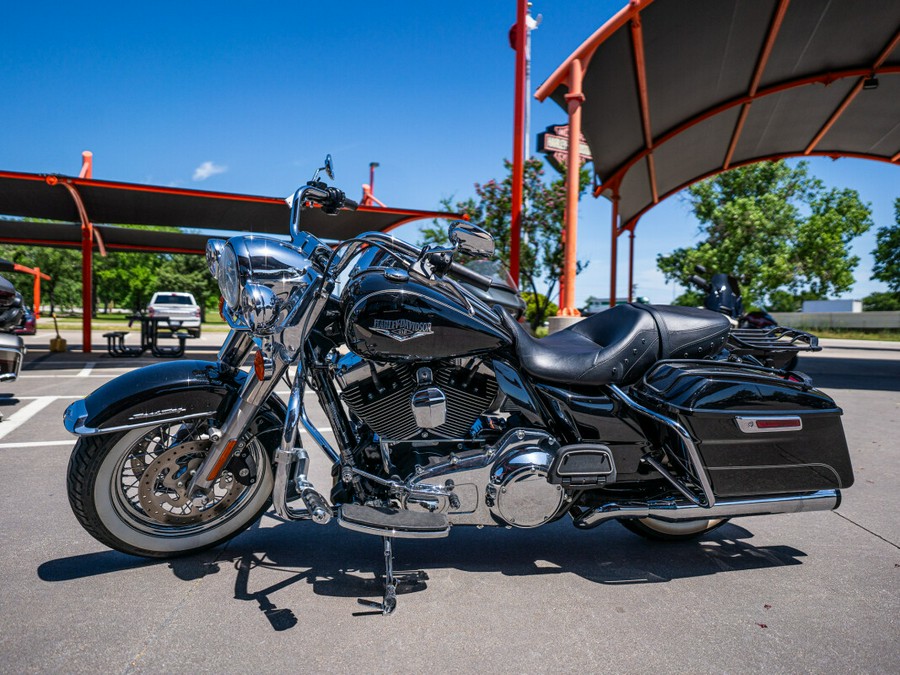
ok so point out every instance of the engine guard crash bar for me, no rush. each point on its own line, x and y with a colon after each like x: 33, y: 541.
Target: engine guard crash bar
x: 675, y: 511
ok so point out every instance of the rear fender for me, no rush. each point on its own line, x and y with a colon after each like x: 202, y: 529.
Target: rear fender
x: 159, y: 394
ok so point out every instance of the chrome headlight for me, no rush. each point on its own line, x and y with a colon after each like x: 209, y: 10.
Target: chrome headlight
x: 262, y: 280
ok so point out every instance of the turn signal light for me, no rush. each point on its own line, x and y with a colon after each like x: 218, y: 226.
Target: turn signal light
x: 223, y: 460
x: 259, y: 366
x: 263, y: 367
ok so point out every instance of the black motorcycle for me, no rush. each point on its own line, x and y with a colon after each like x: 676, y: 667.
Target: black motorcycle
x: 755, y: 335
x: 446, y: 412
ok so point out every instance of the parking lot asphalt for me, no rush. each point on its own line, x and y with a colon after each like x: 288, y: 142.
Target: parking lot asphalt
x: 812, y: 592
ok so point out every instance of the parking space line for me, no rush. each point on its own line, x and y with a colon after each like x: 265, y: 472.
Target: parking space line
x: 19, y: 417
x: 35, y: 444
x: 104, y: 376
x: 88, y: 367
x: 33, y: 398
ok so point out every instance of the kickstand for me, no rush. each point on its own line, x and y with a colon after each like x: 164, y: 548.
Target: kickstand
x: 391, y: 581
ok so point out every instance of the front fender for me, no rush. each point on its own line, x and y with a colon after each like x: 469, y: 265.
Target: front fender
x: 159, y: 394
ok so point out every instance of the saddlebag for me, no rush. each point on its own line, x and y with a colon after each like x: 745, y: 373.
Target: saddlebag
x: 758, y: 431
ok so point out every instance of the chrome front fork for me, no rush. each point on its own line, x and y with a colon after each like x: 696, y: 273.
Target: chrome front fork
x: 285, y: 349
x: 250, y: 399
x: 291, y: 460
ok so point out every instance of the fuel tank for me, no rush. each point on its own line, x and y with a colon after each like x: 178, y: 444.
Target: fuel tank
x: 390, y: 315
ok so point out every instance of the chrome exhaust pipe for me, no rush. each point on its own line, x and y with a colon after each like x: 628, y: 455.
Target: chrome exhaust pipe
x: 674, y: 511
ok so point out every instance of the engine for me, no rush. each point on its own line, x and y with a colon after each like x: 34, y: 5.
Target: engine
x: 453, y: 457
x: 406, y: 402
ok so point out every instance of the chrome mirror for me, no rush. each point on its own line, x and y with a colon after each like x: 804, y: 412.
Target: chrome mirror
x: 328, y: 169
x: 471, y: 239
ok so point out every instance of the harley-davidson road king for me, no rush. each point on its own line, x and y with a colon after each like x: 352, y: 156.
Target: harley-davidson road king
x: 445, y: 411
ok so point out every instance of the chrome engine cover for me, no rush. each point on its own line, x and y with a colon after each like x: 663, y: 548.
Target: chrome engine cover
x: 505, y: 485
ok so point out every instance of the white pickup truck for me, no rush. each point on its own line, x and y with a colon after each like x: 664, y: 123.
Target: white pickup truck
x: 178, y: 308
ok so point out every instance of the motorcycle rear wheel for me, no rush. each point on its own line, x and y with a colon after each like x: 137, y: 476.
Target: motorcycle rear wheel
x: 661, y: 530
x: 127, y: 489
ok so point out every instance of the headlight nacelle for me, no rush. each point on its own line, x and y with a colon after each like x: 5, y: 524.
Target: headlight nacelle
x: 259, y: 277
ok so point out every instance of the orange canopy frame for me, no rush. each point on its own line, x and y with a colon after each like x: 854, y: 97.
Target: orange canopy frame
x: 86, y: 201
x: 669, y: 92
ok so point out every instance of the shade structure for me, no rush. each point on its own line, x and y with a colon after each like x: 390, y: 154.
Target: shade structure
x: 84, y: 201
x: 674, y: 91
x: 68, y: 235
x: 43, y: 196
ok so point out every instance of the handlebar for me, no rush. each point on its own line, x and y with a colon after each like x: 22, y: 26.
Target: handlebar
x: 331, y: 199
x: 700, y: 282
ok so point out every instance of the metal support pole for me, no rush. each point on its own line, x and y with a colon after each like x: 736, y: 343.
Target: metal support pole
x: 38, y: 275
x: 614, y: 249
x: 372, y: 167
x: 87, y: 247
x: 37, y: 293
x: 631, y: 265
x: 562, y: 277
x: 518, y: 168
x: 574, y: 98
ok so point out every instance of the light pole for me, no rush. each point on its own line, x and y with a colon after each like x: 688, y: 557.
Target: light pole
x: 372, y: 167
x: 519, y: 41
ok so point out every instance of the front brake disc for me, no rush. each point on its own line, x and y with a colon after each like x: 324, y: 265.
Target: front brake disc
x: 163, y: 487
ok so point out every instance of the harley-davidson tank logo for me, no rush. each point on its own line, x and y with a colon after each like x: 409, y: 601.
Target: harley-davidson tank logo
x: 402, y: 329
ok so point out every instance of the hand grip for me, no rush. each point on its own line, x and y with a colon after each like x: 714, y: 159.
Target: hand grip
x: 699, y: 282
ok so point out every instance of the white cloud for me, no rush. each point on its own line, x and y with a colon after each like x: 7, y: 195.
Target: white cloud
x: 208, y: 169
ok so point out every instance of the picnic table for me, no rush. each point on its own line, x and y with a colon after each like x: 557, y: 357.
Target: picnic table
x: 150, y: 335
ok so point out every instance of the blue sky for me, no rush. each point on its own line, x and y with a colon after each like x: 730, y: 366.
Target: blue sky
x: 249, y: 97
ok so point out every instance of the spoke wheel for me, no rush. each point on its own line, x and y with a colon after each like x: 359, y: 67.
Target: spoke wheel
x: 662, y: 530
x: 129, y: 490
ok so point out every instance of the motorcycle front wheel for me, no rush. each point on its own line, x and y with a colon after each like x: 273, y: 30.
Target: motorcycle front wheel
x: 129, y: 489
x: 662, y: 530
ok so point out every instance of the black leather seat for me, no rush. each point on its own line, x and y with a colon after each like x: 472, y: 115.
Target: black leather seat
x: 619, y: 345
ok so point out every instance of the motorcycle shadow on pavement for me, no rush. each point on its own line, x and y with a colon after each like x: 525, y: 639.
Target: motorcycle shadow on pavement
x: 8, y: 399
x: 268, y: 559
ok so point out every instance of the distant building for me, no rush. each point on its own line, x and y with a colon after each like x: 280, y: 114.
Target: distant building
x: 815, y: 306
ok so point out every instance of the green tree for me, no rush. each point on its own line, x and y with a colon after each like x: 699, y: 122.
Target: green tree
x: 189, y: 274
x: 541, y: 255
x: 126, y: 280
x: 777, y: 225
x: 536, y: 303
x: 783, y: 301
x: 887, y: 252
x: 690, y: 298
x: 881, y: 302
x: 62, y: 264
x: 121, y: 279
